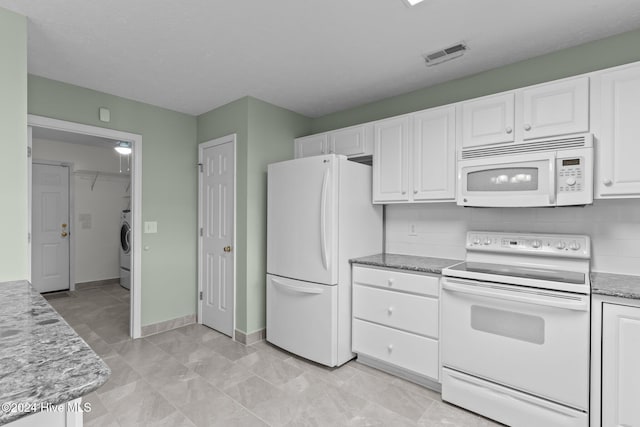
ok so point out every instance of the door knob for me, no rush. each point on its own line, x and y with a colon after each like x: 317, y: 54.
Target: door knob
x: 227, y: 248
x: 64, y: 234
x: 64, y: 225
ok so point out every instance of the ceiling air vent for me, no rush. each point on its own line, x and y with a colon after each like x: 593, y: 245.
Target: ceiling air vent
x: 444, y: 55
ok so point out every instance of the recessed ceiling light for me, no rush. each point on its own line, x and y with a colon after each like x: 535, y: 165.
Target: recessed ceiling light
x: 412, y: 2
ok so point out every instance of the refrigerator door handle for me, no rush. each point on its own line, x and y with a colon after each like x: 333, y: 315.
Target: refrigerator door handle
x: 323, y: 220
x: 298, y: 289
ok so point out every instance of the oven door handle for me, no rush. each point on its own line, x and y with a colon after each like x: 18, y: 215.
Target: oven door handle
x: 569, y: 302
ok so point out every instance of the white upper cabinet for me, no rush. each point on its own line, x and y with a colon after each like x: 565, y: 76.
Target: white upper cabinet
x: 354, y: 141
x: 434, y: 151
x: 557, y: 108
x: 313, y: 145
x: 391, y: 160
x: 616, y: 117
x: 488, y: 120
x: 414, y: 157
x: 541, y: 111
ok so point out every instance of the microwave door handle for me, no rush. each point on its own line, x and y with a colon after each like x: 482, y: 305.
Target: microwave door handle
x: 552, y: 180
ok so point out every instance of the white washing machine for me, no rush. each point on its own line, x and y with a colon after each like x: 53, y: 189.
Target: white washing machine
x: 125, y: 249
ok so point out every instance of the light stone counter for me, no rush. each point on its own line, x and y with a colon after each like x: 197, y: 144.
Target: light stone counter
x: 615, y: 285
x: 407, y: 262
x: 42, y: 360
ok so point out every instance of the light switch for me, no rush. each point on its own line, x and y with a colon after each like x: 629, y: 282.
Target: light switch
x: 150, y: 227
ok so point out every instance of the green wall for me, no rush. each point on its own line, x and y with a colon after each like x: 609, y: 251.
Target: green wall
x: 271, y: 133
x: 169, y: 186
x: 13, y: 141
x: 264, y: 134
x: 609, y: 52
x: 226, y: 120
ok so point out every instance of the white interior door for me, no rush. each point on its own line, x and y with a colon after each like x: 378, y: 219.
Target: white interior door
x: 50, y: 227
x: 217, y: 220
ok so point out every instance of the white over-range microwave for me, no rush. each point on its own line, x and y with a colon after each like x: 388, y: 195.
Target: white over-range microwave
x: 551, y: 172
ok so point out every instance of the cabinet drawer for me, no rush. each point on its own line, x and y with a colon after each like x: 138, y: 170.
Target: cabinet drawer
x: 411, y: 313
x: 396, y: 280
x: 405, y: 350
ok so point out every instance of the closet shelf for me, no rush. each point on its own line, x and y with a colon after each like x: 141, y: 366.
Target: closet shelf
x: 107, y: 176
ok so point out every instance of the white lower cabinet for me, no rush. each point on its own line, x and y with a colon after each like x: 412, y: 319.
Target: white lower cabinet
x: 396, y: 321
x: 620, y: 365
x: 615, y: 362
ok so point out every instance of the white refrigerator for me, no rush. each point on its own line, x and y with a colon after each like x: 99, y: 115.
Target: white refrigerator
x: 319, y: 215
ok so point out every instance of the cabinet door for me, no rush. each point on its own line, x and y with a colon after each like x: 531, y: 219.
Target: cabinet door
x: 313, y: 145
x: 618, y: 147
x: 488, y: 120
x: 620, y: 365
x: 434, y: 162
x: 350, y: 141
x: 391, y: 160
x: 556, y: 108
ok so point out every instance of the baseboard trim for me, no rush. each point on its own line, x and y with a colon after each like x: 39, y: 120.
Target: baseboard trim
x: 167, y: 325
x: 252, y: 338
x: 97, y: 283
x: 429, y: 383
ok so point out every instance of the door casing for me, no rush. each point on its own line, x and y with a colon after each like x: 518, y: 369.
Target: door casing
x: 135, y: 330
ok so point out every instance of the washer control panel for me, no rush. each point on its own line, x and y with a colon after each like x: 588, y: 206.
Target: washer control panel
x: 575, y: 246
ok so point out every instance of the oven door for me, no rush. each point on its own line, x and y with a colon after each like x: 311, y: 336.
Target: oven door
x: 508, y: 181
x: 535, y: 341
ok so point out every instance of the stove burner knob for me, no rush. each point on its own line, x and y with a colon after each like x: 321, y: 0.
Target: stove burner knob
x: 561, y: 245
x: 487, y: 241
x: 574, y: 246
x: 536, y: 244
x: 476, y: 241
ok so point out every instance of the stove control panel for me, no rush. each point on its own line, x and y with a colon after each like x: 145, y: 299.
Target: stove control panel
x: 565, y: 245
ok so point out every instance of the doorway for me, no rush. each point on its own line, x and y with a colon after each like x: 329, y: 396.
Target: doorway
x: 93, y: 179
x: 217, y: 221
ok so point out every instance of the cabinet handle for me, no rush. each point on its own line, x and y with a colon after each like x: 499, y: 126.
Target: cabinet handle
x: 527, y: 127
x: 508, y: 129
x: 607, y: 182
x: 404, y: 192
x: 390, y: 282
x: 390, y: 311
x: 390, y: 348
x: 415, y: 191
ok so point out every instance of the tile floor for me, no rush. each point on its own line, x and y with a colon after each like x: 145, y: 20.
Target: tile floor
x: 196, y: 376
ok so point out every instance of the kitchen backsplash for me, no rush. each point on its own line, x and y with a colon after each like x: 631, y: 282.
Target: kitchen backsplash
x: 439, y: 229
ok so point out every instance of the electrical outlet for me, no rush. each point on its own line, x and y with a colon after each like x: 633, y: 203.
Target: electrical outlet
x: 412, y: 230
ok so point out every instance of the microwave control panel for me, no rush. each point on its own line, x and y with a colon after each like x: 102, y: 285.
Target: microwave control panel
x: 570, y: 173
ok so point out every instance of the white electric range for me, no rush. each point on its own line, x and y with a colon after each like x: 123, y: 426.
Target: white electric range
x: 515, y: 329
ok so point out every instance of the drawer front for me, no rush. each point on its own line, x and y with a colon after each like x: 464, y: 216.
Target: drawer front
x: 402, y: 349
x: 396, y: 280
x: 411, y: 313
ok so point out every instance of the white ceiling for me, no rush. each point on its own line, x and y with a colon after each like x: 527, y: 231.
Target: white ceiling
x: 310, y: 56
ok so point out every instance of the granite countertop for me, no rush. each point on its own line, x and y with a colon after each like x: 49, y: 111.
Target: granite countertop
x: 42, y: 360
x: 615, y: 285
x: 407, y: 262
